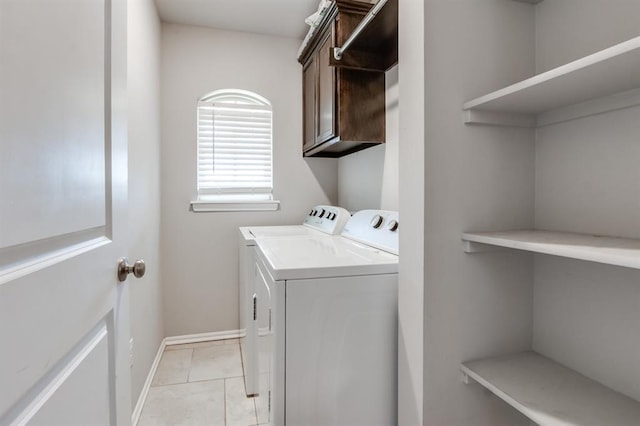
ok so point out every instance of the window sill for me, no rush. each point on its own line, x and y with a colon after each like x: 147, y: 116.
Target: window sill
x: 234, y: 206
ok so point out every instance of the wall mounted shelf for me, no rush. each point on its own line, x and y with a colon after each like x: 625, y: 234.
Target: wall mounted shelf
x: 551, y: 394
x: 605, y: 74
x: 612, y: 251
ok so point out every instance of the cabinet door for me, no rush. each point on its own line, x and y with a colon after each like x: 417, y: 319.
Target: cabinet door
x: 326, y: 92
x: 309, y: 102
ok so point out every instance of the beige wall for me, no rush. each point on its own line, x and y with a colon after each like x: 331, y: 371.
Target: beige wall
x: 476, y: 178
x: 570, y: 29
x: 199, y: 251
x: 411, y: 136
x: 147, y: 328
x: 368, y: 179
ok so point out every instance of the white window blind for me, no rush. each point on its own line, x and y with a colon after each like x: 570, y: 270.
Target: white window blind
x: 235, y: 146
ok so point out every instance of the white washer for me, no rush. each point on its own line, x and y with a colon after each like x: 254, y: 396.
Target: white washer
x: 320, y: 221
x: 328, y: 325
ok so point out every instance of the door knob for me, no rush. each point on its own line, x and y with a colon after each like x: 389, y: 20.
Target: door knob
x: 138, y: 268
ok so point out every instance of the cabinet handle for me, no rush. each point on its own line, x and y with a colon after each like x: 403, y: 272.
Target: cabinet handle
x: 255, y: 306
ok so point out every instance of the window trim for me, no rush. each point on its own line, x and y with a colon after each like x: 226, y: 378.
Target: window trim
x: 234, y: 199
x: 201, y: 206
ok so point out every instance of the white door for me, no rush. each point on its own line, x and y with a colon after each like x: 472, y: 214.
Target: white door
x: 63, y: 181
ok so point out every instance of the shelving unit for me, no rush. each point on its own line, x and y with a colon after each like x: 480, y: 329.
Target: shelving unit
x: 551, y: 394
x: 611, y: 74
x: 545, y: 391
x: 612, y: 251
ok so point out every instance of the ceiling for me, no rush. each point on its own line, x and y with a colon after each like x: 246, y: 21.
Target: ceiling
x: 273, y: 17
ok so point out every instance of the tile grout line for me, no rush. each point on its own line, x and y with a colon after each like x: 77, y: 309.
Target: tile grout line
x: 213, y: 379
x: 225, y: 401
x: 190, y: 365
x: 253, y: 400
x: 255, y: 409
x: 188, y: 383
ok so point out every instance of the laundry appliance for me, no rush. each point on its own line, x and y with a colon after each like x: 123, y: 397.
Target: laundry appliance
x: 320, y: 221
x: 328, y: 324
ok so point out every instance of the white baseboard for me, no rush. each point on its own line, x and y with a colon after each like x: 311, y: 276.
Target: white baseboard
x: 202, y: 337
x: 135, y: 416
x: 176, y: 340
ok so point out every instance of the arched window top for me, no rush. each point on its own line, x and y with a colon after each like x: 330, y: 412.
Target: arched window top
x: 234, y: 146
x: 235, y: 96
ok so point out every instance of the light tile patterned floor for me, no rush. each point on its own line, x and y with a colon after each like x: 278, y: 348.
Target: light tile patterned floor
x: 199, y: 384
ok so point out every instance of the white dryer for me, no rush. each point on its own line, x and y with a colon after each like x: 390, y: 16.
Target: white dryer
x: 320, y: 221
x: 329, y: 324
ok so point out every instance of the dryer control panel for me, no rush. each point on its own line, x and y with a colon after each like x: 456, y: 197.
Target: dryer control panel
x: 328, y: 219
x: 375, y: 228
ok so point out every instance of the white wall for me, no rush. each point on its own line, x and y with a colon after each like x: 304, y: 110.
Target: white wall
x: 368, y: 179
x: 199, y: 251
x: 147, y: 328
x: 586, y: 315
x: 411, y: 54
x: 570, y: 29
x: 476, y: 178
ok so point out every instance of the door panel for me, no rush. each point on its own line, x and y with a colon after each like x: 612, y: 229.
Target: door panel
x: 86, y: 370
x: 309, y: 100
x: 63, y: 180
x: 52, y: 95
x: 326, y: 92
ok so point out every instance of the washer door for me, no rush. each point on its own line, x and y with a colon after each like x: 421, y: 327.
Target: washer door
x: 264, y: 346
x: 246, y: 303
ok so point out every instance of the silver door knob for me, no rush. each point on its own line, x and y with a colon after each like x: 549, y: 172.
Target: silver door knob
x: 138, y: 268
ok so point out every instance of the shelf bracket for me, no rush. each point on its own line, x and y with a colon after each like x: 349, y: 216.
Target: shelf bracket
x: 474, y: 247
x: 503, y: 119
x: 615, y: 102
x: 464, y: 378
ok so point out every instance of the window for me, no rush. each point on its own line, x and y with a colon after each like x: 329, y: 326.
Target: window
x: 235, y: 161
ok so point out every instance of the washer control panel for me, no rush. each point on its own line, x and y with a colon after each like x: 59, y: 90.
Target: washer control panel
x: 328, y: 219
x: 375, y: 228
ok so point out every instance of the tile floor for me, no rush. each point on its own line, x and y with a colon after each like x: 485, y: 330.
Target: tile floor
x: 199, y: 384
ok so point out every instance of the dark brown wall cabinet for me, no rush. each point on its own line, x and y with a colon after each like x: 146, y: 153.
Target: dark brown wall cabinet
x: 344, y: 101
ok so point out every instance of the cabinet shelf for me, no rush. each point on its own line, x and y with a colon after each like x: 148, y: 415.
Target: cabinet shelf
x: 551, y: 394
x: 603, y: 74
x: 612, y: 251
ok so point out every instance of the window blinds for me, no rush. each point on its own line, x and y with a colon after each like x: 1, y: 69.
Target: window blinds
x: 234, y: 148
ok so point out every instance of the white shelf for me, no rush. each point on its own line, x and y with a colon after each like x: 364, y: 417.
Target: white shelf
x: 612, y: 251
x: 551, y: 394
x: 602, y: 74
